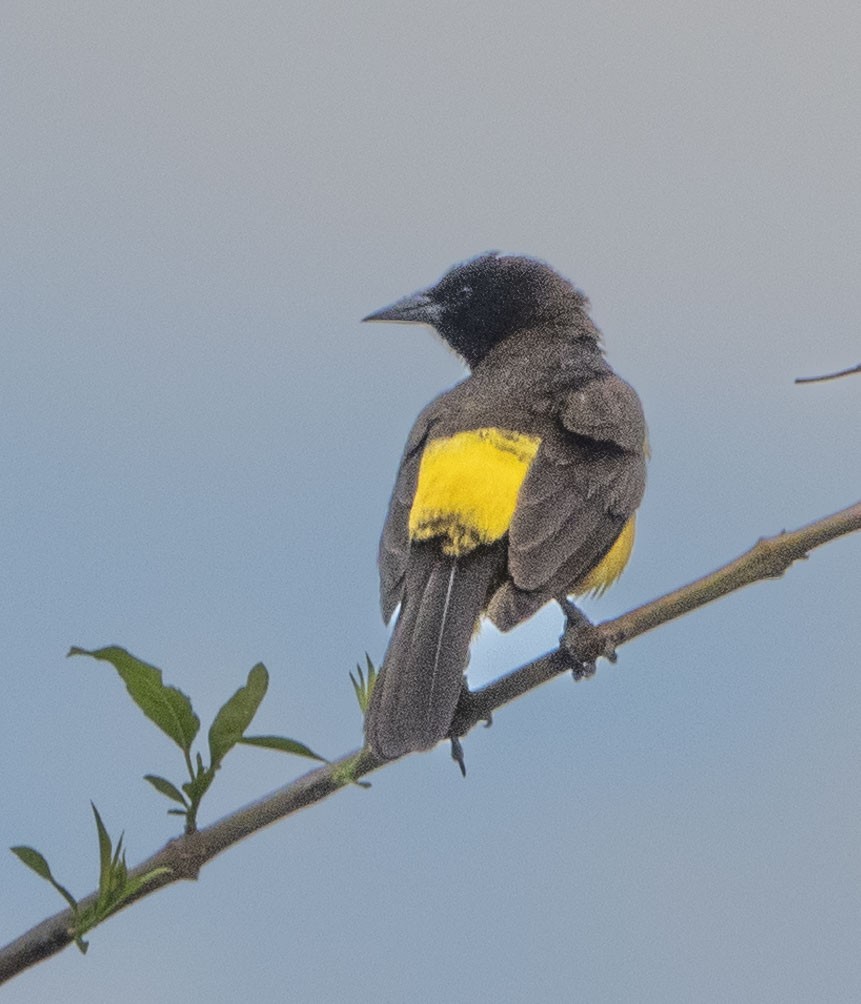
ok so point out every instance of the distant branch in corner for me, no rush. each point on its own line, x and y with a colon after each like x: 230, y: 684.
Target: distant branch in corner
x: 829, y: 376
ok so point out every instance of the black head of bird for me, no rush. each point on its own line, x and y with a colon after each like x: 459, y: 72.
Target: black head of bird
x: 479, y: 303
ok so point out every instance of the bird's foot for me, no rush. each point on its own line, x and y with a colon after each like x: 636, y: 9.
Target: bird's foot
x: 467, y: 712
x: 581, y: 643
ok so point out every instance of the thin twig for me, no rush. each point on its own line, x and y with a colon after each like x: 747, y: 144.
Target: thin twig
x: 829, y: 376
x: 186, y: 855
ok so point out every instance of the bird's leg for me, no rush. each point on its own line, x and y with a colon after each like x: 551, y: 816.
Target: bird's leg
x: 466, y: 714
x: 578, y: 641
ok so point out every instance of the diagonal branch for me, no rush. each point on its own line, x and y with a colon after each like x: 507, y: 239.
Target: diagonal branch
x: 769, y: 558
x: 186, y: 855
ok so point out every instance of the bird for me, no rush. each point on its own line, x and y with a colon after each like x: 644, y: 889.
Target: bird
x: 517, y: 487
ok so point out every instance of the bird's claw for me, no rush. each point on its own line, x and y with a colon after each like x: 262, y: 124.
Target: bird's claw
x: 580, y: 643
x: 467, y: 713
x: 457, y: 754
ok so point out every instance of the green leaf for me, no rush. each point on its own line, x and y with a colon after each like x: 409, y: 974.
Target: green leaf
x: 115, y: 887
x: 168, y: 707
x: 236, y: 715
x: 34, y: 860
x: 105, y: 855
x: 196, y: 788
x: 164, y: 786
x: 282, y: 745
x: 132, y: 886
x: 118, y: 864
x: 363, y: 686
x: 359, y: 687
x: 199, y: 785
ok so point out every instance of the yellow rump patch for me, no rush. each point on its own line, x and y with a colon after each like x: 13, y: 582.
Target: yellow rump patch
x: 468, y: 486
x: 611, y: 566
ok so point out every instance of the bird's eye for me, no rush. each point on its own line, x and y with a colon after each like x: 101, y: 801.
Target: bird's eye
x: 464, y: 293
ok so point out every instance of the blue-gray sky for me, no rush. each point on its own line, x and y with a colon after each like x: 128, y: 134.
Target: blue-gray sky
x: 198, y: 439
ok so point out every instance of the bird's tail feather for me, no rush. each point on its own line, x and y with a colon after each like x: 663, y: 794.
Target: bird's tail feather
x: 416, y: 693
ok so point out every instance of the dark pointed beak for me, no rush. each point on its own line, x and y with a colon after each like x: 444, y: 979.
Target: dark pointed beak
x: 417, y: 308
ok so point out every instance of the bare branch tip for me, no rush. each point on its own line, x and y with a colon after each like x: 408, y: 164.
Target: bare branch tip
x: 829, y: 376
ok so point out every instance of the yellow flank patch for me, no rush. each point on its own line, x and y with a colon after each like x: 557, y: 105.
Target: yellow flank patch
x: 610, y: 567
x: 468, y: 486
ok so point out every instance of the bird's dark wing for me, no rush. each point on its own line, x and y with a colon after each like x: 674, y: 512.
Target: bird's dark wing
x: 584, y: 485
x: 395, y: 539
